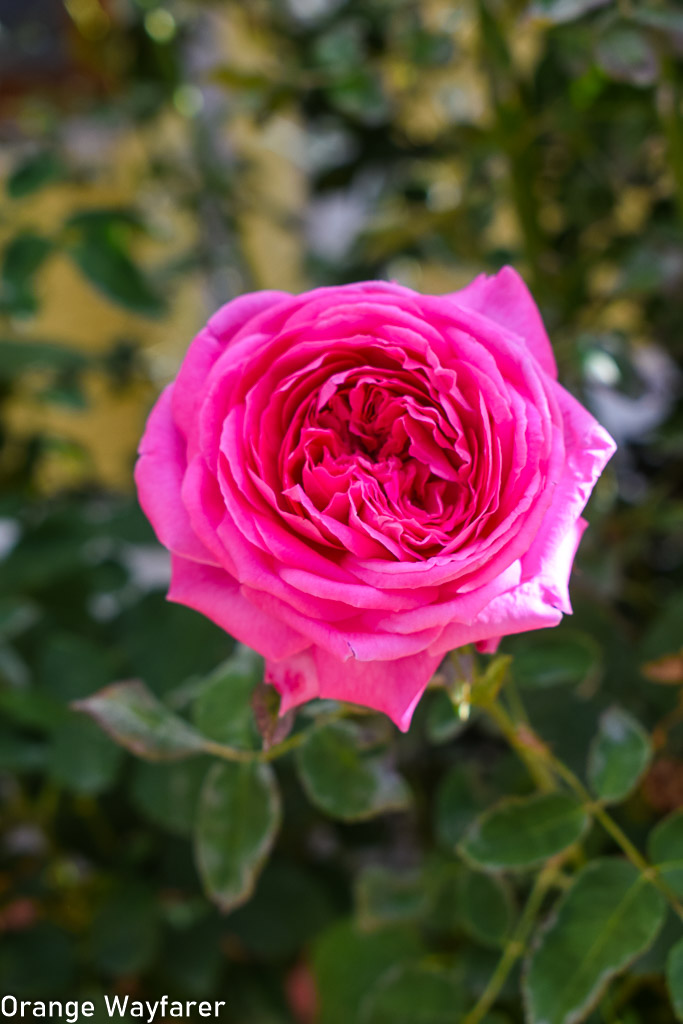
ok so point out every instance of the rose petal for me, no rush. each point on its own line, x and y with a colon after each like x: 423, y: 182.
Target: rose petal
x: 505, y: 298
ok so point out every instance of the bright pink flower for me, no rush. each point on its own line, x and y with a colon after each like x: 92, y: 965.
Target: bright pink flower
x: 356, y: 480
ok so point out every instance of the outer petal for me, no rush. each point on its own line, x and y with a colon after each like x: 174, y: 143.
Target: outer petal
x: 208, y: 345
x: 588, y: 449
x: 295, y: 679
x: 217, y: 595
x: 232, y: 317
x: 505, y: 299
x: 394, y: 687
x: 519, y: 610
x: 159, y: 476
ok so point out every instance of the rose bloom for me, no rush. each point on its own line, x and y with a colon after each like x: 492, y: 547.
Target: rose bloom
x: 356, y: 480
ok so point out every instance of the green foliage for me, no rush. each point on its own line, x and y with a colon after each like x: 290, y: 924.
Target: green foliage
x: 141, y: 723
x: 237, y: 820
x: 674, y: 977
x: 348, y: 964
x: 423, y: 995
x: 619, y: 755
x: 508, y: 859
x: 665, y: 849
x: 34, y: 173
x: 608, y: 916
x: 521, y: 832
x: 342, y: 780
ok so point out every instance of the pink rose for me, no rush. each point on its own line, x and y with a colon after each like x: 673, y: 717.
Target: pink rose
x: 356, y: 480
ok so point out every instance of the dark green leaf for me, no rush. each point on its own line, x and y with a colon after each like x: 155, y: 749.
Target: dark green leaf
x: 107, y: 265
x: 345, y: 782
x: 626, y: 54
x: 608, y: 916
x: 669, y: 22
x: 618, y: 756
x: 565, y: 657
x: 458, y: 800
x: 31, y: 707
x: 238, y: 818
x: 222, y: 710
x: 104, y: 218
x: 82, y: 758
x: 560, y: 11
x: 386, y: 896
x: 37, y: 963
x: 138, y: 721
x: 484, y: 907
x: 347, y: 963
x: 16, y: 616
x: 33, y: 174
x: 521, y: 832
x: 674, y: 977
x: 19, y: 356
x: 23, y: 258
x: 414, y: 994
x: 665, y: 849
x: 125, y: 931
x: 290, y: 906
x: 168, y: 794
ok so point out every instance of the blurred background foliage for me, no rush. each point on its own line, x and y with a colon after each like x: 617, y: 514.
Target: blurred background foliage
x: 158, y: 159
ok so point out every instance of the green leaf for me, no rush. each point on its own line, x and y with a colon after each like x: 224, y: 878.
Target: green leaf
x: 31, y: 707
x: 344, y: 781
x: 459, y: 798
x: 670, y: 22
x: 19, y: 754
x: 168, y: 794
x: 386, y: 896
x: 125, y: 930
x: 291, y: 905
x: 347, y: 963
x: 665, y: 849
x: 192, y: 958
x: 23, y: 258
x: 238, y: 818
x: 484, y: 907
x: 414, y: 994
x: 82, y: 758
x: 626, y: 54
x: 38, y: 962
x: 16, y: 615
x: 674, y: 978
x: 567, y: 658
x: 106, y: 263
x: 33, y: 174
x: 520, y: 832
x: 605, y: 920
x: 619, y: 755
x: 104, y: 218
x: 560, y: 11
x: 18, y: 356
x: 223, y: 711
x: 138, y: 721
